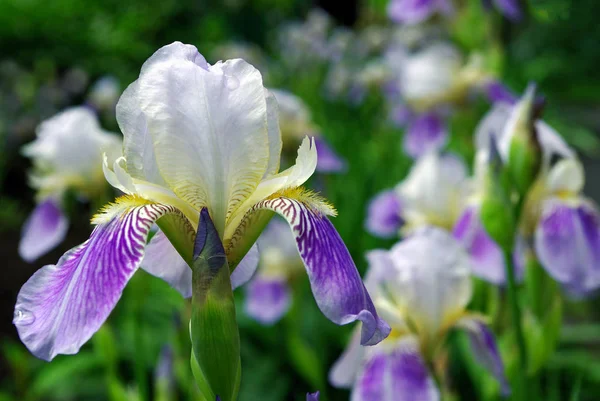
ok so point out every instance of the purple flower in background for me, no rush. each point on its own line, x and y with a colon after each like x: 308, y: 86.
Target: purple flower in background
x: 401, y: 281
x: 426, y: 133
x: 67, y: 155
x: 312, y: 396
x: 268, y: 296
x: 416, y: 11
x: 384, y: 215
x: 567, y: 236
x: 197, y: 137
x: 509, y: 8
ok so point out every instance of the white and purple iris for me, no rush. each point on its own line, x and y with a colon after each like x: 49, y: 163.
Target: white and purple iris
x: 563, y: 225
x: 431, y: 195
x: 425, y: 86
x: 196, y: 137
x: 422, y: 287
x: 67, y: 156
x: 418, y: 11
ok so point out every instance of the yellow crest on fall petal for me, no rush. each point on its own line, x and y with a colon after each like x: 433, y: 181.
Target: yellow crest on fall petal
x: 309, y: 198
x: 112, y: 209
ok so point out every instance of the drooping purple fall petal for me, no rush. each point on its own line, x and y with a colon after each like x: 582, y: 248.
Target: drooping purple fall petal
x: 267, y: 299
x: 485, y: 349
x: 425, y: 134
x: 335, y: 281
x: 487, y: 260
x: 499, y: 93
x: 312, y: 396
x: 384, y: 215
x: 400, y: 375
x: 44, y: 229
x: 61, y: 306
x: 567, y: 243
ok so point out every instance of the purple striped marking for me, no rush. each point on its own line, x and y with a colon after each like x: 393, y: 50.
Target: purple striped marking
x: 61, y: 306
x: 335, y: 282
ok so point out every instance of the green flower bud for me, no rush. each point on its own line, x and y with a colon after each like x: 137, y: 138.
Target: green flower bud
x: 497, y: 215
x: 524, y: 151
x: 213, y: 328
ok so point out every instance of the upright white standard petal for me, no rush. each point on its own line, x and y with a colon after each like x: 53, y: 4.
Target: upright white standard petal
x: 67, y: 153
x: 431, y: 283
x: 433, y: 191
x: 205, y: 127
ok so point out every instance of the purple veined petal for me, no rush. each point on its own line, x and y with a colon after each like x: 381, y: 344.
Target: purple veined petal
x: 400, y: 375
x: 410, y: 379
x: 497, y: 92
x: 312, y: 396
x: 44, y: 229
x: 485, y: 350
x: 328, y: 161
x: 487, y: 259
x: 335, y: 281
x: 416, y: 11
x: 246, y: 268
x: 163, y: 261
x: 567, y: 243
x: 345, y: 370
x: 61, y: 306
x: 509, y: 8
x: 370, y: 385
x: 267, y: 299
x: 426, y: 133
x: 384, y: 215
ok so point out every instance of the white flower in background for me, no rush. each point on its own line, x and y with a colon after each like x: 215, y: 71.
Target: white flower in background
x: 432, y: 194
x: 105, y: 93
x: 66, y: 156
x: 422, y: 286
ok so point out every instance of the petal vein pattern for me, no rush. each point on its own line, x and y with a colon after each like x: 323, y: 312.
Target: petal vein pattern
x: 61, y: 306
x: 335, y: 282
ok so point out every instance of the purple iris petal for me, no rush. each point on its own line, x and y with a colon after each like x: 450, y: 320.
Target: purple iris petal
x: 498, y: 93
x: 401, y: 376
x: 426, y: 133
x: 163, y: 261
x: 44, y: 229
x: 312, y: 396
x: 485, y: 350
x: 328, y: 161
x: 415, y: 11
x: 335, y: 282
x: 509, y: 8
x: 486, y: 256
x: 267, y: 299
x: 61, y: 306
x: 567, y: 243
x: 384, y: 215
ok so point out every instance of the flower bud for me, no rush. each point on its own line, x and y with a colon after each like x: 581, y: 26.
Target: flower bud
x: 213, y: 328
x: 496, y: 213
x: 524, y: 151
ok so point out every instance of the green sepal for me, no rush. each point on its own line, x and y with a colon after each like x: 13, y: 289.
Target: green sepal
x: 213, y: 327
x: 496, y: 213
x: 180, y: 233
x: 246, y: 234
x: 524, y: 153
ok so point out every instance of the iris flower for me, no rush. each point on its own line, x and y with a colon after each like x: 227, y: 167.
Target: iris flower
x: 422, y: 287
x: 563, y: 225
x: 197, y: 137
x: 417, y: 11
x: 431, y: 195
x: 67, y: 156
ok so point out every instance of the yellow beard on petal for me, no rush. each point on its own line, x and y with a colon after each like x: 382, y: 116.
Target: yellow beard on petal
x: 112, y: 209
x: 309, y: 198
